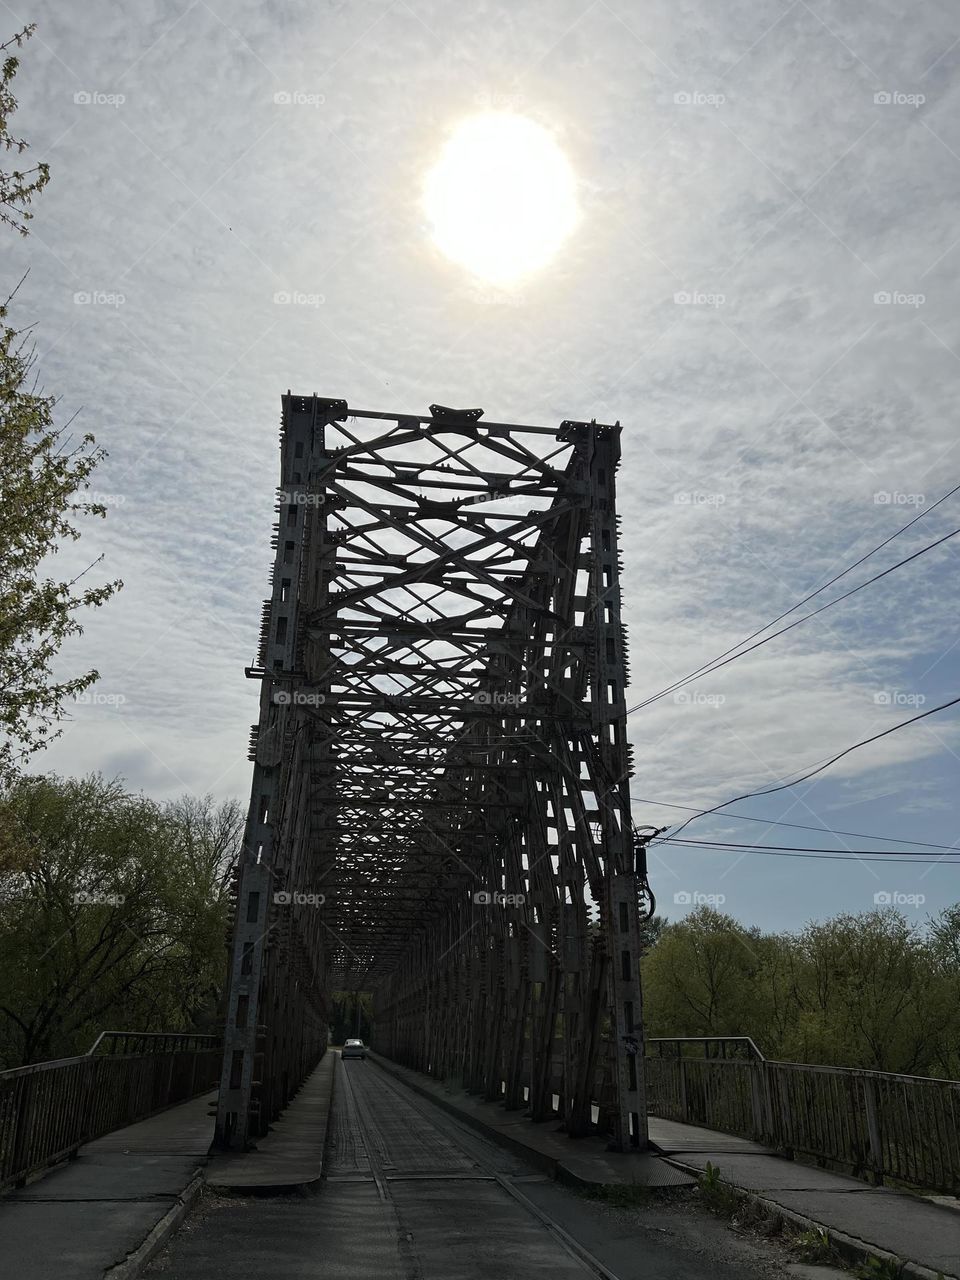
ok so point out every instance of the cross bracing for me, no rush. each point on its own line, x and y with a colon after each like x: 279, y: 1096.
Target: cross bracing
x: 440, y: 808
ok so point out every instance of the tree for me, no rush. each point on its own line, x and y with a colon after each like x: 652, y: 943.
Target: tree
x: 945, y: 936
x: 344, y: 1022
x: 700, y: 978
x: 17, y: 188
x: 115, y: 915
x: 651, y: 931
x: 945, y: 948
x: 43, y: 476
x: 872, y: 996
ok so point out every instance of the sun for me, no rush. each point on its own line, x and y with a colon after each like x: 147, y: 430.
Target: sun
x: 501, y: 199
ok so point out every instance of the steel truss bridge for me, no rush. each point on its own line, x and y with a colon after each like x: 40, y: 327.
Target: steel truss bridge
x: 440, y: 807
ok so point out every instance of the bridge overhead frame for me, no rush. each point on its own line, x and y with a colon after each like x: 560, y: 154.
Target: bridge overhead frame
x: 440, y: 808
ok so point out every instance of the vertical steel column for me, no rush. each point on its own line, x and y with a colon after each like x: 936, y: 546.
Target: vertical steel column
x: 623, y: 939
x: 239, y: 1107
x: 620, y: 910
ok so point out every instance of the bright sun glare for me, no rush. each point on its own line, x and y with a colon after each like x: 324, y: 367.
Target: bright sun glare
x: 501, y: 198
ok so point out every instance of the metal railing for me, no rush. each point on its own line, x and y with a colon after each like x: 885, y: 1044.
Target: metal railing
x: 713, y: 1046
x: 121, y: 1042
x: 875, y: 1124
x: 49, y: 1109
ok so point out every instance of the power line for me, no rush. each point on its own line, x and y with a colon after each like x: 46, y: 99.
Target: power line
x: 849, y: 569
x: 786, y: 613
x: 802, y: 826
x: 781, y: 786
x: 793, y: 848
x: 914, y: 860
x: 716, y: 663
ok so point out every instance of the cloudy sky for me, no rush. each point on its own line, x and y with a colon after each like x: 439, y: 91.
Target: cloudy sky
x: 761, y: 286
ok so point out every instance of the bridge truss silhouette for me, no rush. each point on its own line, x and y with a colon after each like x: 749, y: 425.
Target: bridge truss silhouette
x: 440, y: 808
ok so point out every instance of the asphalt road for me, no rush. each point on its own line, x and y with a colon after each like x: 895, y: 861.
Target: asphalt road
x: 410, y: 1194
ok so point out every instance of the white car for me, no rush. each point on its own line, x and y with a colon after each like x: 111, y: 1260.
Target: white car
x: 354, y: 1049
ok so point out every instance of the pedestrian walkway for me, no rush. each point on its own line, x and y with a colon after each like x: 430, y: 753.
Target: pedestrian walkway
x: 913, y: 1228
x: 112, y: 1207
x: 290, y: 1157
x: 94, y: 1213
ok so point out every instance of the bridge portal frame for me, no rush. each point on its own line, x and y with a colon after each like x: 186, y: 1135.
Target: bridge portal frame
x: 497, y: 918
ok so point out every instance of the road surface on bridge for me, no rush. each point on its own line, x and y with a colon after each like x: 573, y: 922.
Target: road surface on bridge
x: 411, y: 1194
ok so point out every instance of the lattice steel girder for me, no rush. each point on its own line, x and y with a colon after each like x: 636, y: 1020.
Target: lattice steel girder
x: 440, y: 807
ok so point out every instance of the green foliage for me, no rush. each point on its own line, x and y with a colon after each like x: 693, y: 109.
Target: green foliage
x: 40, y: 478
x: 869, y: 990
x: 113, y: 913
x: 17, y: 187
x: 651, y: 932
x: 814, y: 1246
x: 343, y: 1016
x: 43, y: 476
x: 702, y: 973
x: 880, y: 1269
x: 873, y: 992
x: 716, y: 1193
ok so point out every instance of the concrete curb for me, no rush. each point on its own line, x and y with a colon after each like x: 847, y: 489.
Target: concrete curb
x: 850, y: 1248
x: 265, y: 1190
x: 135, y: 1263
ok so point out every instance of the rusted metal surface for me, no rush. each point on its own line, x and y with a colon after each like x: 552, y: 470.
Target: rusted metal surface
x: 874, y: 1124
x: 440, y: 809
x: 48, y: 1109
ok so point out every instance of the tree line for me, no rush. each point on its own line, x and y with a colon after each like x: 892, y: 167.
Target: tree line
x: 872, y: 990
x: 114, y: 912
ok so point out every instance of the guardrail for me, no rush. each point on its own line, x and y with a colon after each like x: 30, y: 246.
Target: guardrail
x: 876, y: 1124
x: 49, y: 1109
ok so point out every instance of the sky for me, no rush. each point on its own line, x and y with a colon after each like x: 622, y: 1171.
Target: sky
x: 760, y: 286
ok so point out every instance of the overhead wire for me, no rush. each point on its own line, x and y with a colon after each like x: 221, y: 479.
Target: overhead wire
x: 716, y: 664
x: 848, y: 856
x: 782, y: 786
x: 799, y: 826
x: 794, y: 848
x: 703, y: 670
